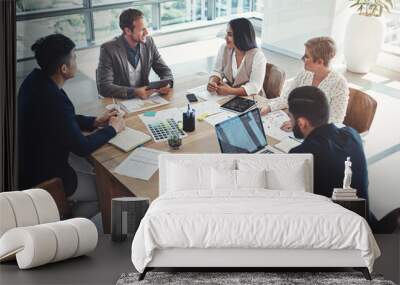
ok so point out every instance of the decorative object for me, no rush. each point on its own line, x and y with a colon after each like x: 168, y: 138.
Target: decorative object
x: 31, y: 231
x: 127, y: 212
x: 347, y: 174
x: 247, y: 278
x: 345, y: 193
x: 365, y: 34
x: 174, y: 140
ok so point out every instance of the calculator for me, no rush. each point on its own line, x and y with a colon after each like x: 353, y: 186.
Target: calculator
x: 161, y: 130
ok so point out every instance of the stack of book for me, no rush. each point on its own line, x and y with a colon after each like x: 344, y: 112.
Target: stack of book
x: 344, y: 194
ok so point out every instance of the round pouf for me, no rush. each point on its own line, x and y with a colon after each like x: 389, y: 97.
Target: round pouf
x: 126, y: 214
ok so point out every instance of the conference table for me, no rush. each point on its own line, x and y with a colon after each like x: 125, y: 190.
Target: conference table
x: 108, y: 157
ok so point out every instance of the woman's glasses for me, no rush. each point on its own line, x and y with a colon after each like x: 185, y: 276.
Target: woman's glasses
x: 304, y: 57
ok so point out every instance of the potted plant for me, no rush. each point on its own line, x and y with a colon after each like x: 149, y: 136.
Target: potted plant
x: 174, y: 140
x: 365, y: 34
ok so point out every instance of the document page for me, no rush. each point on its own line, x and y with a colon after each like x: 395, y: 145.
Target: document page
x: 142, y: 163
x: 272, y: 125
x: 136, y: 105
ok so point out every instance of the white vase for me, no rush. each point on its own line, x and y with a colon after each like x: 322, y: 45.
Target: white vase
x: 363, y: 40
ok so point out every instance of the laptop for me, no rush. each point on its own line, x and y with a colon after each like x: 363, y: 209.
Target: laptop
x: 243, y: 134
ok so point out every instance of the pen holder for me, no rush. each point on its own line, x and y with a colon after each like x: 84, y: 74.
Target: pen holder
x: 188, y: 120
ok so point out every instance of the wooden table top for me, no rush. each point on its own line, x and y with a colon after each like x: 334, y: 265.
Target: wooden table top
x: 202, y: 140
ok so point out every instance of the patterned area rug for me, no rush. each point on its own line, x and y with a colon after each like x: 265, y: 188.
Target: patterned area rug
x: 242, y: 278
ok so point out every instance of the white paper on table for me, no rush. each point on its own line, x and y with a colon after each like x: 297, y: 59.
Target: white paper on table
x: 136, y: 104
x: 132, y: 104
x: 202, y: 92
x: 162, y: 116
x: 142, y: 163
x: 272, y: 125
x: 209, y: 107
x: 220, y: 117
x: 287, y: 144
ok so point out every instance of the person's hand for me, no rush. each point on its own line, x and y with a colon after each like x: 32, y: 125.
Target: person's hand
x: 144, y: 93
x: 212, y: 86
x: 118, y: 123
x: 265, y: 110
x: 224, y: 89
x: 102, y: 120
x: 164, y: 90
x: 287, y: 126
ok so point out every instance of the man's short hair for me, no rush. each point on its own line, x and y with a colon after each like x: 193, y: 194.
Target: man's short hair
x: 127, y: 18
x: 311, y: 103
x: 52, y: 51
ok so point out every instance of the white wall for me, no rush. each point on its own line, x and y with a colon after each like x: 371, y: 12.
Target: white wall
x: 288, y: 24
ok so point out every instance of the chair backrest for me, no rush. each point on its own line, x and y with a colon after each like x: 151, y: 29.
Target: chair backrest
x: 360, y: 110
x: 273, y: 81
x: 56, y: 189
x: 97, y: 81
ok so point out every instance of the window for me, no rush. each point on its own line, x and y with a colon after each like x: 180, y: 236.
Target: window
x: 105, y: 2
x: 37, y: 5
x: 106, y: 23
x: 181, y: 11
x: 232, y: 7
x: 28, y: 32
x: 259, y: 6
x: 89, y: 22
x: 392, y: 36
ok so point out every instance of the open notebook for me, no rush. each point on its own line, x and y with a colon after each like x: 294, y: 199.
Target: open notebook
x: 129, y: 139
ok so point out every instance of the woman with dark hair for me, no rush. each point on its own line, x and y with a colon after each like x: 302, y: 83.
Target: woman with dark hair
x: 240, y: 65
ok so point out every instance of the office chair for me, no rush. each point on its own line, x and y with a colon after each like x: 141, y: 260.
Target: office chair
x: 98, y: 84
x: 273, y: 81
x: 360, y: 111
x: 56, y: 189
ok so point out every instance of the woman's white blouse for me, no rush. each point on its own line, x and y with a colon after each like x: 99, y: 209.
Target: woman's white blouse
x: 255, y: 84
x: 334, y: 86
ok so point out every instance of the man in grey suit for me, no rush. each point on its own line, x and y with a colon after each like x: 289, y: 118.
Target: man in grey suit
x: 125, y: 62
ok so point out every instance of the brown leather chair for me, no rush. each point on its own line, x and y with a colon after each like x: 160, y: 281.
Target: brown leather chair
x: 56, y: 190
x: 273, y: 81
x: 360, y: 111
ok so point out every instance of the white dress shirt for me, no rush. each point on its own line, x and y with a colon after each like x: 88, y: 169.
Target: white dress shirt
x: 334, y: 86
x: 255, y: 84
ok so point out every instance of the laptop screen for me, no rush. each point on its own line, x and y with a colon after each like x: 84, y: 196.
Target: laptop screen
x: 242, y: 134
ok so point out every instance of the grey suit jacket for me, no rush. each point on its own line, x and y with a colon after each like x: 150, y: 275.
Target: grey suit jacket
x: 112, y: 74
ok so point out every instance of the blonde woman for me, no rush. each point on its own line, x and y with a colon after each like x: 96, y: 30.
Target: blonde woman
x: 317, y: 57
x: 240, y: 65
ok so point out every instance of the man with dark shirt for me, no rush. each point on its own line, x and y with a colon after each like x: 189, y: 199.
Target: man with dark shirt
x: 330, y: 145
x: 48, y: 128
